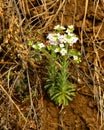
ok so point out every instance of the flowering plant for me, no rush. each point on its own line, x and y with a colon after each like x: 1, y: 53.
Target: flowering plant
x: 58, y: 53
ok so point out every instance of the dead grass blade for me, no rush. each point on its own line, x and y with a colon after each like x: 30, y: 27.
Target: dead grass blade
x: 17, y: 107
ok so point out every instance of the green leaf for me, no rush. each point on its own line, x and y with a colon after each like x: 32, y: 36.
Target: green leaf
x: 30, y: 43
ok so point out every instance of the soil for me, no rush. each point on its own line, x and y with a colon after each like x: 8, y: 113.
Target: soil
x: 81, y: 114
x: 85, y: 111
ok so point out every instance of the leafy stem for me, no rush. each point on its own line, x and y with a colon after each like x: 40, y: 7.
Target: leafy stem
x: 58, y: 53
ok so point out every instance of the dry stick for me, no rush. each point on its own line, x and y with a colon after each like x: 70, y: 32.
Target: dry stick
x: 9, y: 103
x: 61, y: 113
x: 13, y: 102
x: 86, y: 6
x: 63, y: 12
x: 75, y: 10
x: 52, y: 19
x: 45, y: 5
x: 8, y: 109
x: 31, y: 101
x: 82, y: 44
x: 22, y: 7
x: 7, y: 62
x: 101, y: 127
x: 98, y: 89
x: 83, y: 25
x: 7, y: 71
x: 41, y: 14
x: 27, y: 7
x: 20, y: 18
x: 49, y: 21
x: 99, y: 29
x: 95, y: 16
x: 96, y: 35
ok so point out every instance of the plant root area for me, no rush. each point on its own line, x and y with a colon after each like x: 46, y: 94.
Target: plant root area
x: 24, y: 103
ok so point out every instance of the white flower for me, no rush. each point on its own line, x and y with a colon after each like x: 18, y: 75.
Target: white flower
x: 59, y: 27
x: 52, y: 42
x: 53, y: 38
x: 73, y: 40
x: 34, y: 46
x: 41, y: 45
x: 61, y: 45
x: 63, y: 51
x: 71, y: 27
x: 75, y: 57
x: 62, y: 38
x: 70, y: 30
x: 69, y: 33
x: 50, y: 36
x: 56, y: 50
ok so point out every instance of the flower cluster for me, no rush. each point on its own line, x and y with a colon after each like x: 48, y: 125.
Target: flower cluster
x: 61, y: 40
x: 58, y: 53
x: 67, y: 37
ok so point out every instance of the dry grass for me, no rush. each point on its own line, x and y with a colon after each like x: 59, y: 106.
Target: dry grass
x: 97, y: 74
x: 20, y: 93
x: 17, y: 67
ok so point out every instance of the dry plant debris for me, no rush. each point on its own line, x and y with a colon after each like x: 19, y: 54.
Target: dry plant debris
x: 23, y: 103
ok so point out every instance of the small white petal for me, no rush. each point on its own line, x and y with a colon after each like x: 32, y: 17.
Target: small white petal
x: 59, y: 27
x: 53, y: 38
x: 34, y: 46
x: 62, y: 38
x: 63, y: 52
x: 73, y: 40
x: 56, y: 50
x: 71, y: 26
x: 41, y: 45
x: 61, y: 45
x: 75, y: 57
